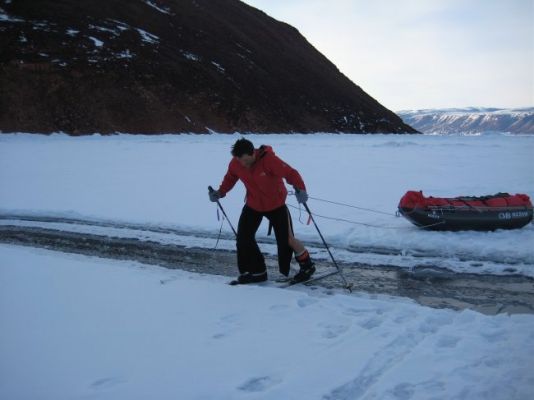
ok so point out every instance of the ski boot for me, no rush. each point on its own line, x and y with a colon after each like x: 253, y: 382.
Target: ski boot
x: 307, y: 268
x: 249, y: 277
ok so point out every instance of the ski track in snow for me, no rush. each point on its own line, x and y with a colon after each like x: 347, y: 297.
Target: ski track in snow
x: 422, y: 279
x: 409, y: 259
x: 388, y: 357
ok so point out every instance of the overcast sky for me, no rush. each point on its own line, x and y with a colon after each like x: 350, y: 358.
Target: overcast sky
x: 423, y: 53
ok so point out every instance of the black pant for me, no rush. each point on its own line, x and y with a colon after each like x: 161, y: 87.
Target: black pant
x: 249, y: 257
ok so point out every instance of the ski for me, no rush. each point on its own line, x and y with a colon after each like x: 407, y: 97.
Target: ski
x: 235, y: 282
x: 308, y: 281
x: 285, y: 283
x: 283, y: 280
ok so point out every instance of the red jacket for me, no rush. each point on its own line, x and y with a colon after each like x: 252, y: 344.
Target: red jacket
x: 263, y: 180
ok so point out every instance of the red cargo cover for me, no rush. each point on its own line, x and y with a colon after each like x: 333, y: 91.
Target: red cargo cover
x: 413, y: 199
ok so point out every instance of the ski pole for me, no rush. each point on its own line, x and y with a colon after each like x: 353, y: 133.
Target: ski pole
x: 339, y: 270
x: 222, y: 209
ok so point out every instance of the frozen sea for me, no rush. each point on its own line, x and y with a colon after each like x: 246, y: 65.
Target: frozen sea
x: 78, y: 327
x: 163, y: 180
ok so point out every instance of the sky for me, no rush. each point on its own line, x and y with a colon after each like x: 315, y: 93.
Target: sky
x: 415, y: 54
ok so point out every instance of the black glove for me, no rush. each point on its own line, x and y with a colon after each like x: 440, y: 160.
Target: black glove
x: 301, y: 195
x: 215, y: 195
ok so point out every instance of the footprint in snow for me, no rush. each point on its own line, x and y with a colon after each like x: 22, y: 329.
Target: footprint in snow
x: 332, y: 331
x: 357, y: 311
x: 403, y: 391
x: 371, y: 323
x: 259, y: 384
x: 402, y: 318
x: 494, y: 336
x: 279, y: 307
x: 447, y: 341
x: 219, y: 336
x: 432, y: 324
x: 228, y: 324
x: 106, y: 383
x: 306, y: 301
x: 230, y: 318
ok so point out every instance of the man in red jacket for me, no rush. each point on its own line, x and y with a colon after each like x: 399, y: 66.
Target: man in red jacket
x: 262, y: 171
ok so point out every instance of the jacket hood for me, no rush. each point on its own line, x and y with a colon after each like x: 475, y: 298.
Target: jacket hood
x: 264, y: 150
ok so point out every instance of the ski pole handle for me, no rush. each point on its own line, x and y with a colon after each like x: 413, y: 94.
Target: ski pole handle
x: 224, y: 213
x: 297, y: 191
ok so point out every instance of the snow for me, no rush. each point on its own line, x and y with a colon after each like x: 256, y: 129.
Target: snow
x: 219, y: 67
x: 122, y: 26
x: 98, y: 43
x: 155, y: 6
x: 104, y: 29
x: 124, y: 54
x: 72, y: 32
x: 116, y: 29
x: 243, y: 47
x: 190, y: 56
x: 147, y: 37
x: 6, y: 18
x: 163, y: 180
x: 82, y: 327
x: 42, y: 25
x: 472, y: 111
x: 471, y: 119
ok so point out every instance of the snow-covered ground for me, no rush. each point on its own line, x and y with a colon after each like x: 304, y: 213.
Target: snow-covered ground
x: 76, y: 327
x: 162, y: 181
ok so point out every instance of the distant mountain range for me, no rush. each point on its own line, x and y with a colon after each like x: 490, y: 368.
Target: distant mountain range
x: 470, y: 120
x: 153, y: 66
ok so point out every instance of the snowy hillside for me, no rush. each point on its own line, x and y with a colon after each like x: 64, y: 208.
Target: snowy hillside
x: 472, y: 120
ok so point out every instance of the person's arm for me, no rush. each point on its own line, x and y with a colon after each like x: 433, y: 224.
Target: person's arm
x: 228, y: 182
x: 277, y: 167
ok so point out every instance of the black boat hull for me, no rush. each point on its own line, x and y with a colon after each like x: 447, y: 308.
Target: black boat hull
x: 468, y: 218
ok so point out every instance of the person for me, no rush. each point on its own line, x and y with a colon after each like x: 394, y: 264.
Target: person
x: 261, y: 171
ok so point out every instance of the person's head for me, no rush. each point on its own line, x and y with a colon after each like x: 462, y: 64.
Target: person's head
x: 243, y: 150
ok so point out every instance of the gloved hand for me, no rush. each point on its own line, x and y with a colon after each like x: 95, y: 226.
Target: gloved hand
x: 301, y: 195
x: 214, y: 195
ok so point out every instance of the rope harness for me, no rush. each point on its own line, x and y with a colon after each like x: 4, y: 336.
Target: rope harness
x: 357, y: 208
x: 311, y: 218
x: 348, y: 221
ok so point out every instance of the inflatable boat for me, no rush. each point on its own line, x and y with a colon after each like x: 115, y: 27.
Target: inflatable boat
x: 486, y: 213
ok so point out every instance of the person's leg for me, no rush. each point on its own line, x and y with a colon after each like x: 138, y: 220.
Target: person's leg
x: 281, y: 222
x: 249, y: 257
x: 307, y: 267
x: 295, y: 244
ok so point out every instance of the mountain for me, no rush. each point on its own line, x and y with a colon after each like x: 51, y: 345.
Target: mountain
x: 152, y: 66
x: 471, y: 120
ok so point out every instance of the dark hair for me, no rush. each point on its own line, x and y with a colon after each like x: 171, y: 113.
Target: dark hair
x: 241, y: 147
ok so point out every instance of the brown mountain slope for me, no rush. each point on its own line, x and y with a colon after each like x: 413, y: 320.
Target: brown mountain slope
x: 152, y: 66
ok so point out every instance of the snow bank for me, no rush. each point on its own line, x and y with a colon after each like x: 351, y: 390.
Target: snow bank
x: 79, y: 327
